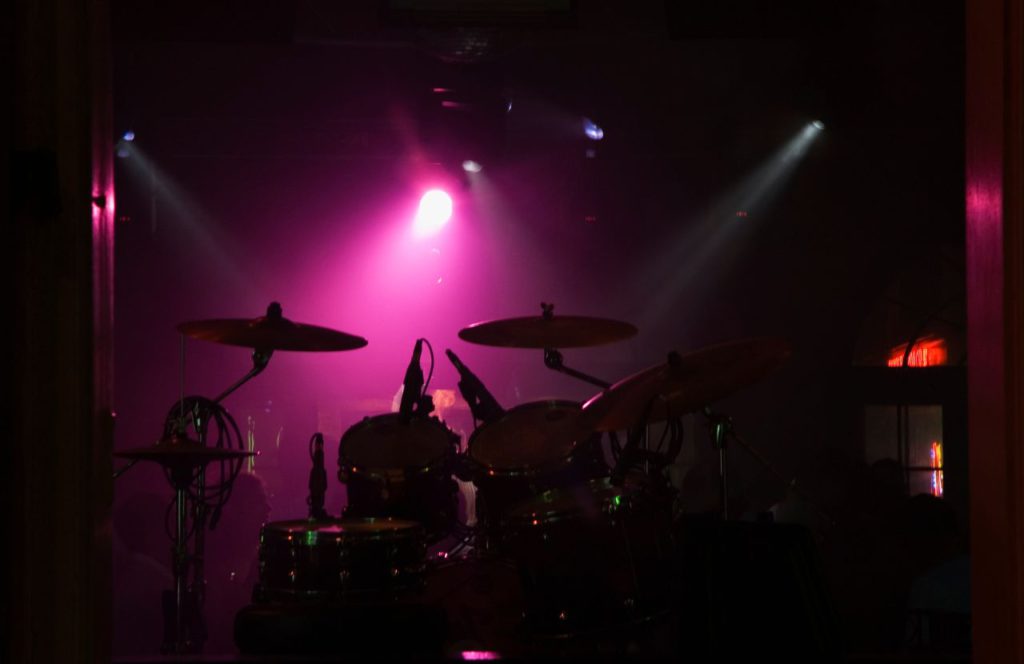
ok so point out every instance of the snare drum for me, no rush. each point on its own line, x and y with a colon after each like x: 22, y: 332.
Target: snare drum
x: 528, y: 450
x: 591, y: 556
x: 400, y: 469
x: 346, y: 559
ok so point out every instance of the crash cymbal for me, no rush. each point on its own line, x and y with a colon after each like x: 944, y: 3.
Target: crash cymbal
x: 685, y: 383
x: 178, y: 451
x: 271, y: 332
x: 548, y: 331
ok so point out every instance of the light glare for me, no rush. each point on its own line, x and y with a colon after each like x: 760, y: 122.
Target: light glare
x: 434, y: 212
x: 471, y: 166
x: 592, y: 131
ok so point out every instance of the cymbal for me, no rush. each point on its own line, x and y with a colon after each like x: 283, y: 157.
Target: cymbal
x: 547, y: 332
x: 178, y: 451
x: 685, y: 383
x: 271, y: 332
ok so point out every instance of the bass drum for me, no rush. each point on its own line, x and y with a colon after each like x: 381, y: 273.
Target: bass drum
x: 592, y: 556
x: 530, y: 449
x: 340, y: 559
x: 399, y: 469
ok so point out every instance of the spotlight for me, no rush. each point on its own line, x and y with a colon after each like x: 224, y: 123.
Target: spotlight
x: 434, y: 212
x: 471, y: 166
x: 592, y: 131
x: 129, y: 136
x: 818, y: 124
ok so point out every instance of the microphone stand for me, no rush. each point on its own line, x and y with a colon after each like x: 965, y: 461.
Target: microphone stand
x: 721, y: 431
x: 718, y: 427
x: 317, y: 479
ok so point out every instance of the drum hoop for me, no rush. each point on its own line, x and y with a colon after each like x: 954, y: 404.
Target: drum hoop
x: 385, y: 473
x: 519, y: 471
x: 389, y: 475
x: 523, y: 470
x: 407, y: 528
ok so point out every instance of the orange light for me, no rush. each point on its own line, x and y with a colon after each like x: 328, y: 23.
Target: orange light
x: 936, y: 463
x: 926, y: 353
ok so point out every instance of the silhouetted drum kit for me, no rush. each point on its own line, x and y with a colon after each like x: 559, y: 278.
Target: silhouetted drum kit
x: 592, y: 540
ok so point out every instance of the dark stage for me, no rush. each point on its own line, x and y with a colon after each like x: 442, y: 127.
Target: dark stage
x: 517, y: 330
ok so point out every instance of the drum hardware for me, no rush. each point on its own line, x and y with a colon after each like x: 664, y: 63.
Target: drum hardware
x: 265, y: 335
x: 531, y: 448
x: 590, y: 543
x: 400, y: 469
x: 629, y: 453
x: 271, y: 332
x: 184, y: 461
x: 548, y: 332
x: 348, y: 560
x: 686, y: 383
x: 591, y: 556
x: 553, y: 360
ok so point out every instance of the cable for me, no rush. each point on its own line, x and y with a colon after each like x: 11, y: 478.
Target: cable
x: 430, y: 374
x: 214, y: 426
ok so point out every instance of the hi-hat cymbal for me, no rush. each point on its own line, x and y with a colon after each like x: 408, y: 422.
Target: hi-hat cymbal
x: 547, y: 332
x: 685, y: 383
x: 178, y: 451
x: 271, y: 332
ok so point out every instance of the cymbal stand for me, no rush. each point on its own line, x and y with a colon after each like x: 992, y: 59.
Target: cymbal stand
x: 260, y: 360
x: 553, y: 360
x: 184, y: 641
x: 182, y: 479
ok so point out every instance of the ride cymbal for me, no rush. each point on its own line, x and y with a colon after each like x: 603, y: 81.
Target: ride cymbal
x: 685, y: 383
x: 547, y: 332
x: 271, y: 332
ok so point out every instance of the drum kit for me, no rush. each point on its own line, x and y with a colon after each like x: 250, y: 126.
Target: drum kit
x: 591, y: 538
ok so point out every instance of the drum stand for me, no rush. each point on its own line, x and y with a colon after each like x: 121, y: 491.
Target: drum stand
x: 184, y: 623
x: 185, y: 632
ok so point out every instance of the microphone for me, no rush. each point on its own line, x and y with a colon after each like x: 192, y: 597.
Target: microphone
x: 317, y: 479
x: 413, y: 383
x: 481, y: 402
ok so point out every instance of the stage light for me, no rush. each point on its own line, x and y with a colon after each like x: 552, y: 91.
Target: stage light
x: 129, y: 136
x: 471, y: 166
x: 434, y: 212
x: 592, y: 131
x: 818, y: 124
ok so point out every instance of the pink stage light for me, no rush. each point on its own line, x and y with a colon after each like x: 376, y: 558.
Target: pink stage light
x: 434, y: 212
